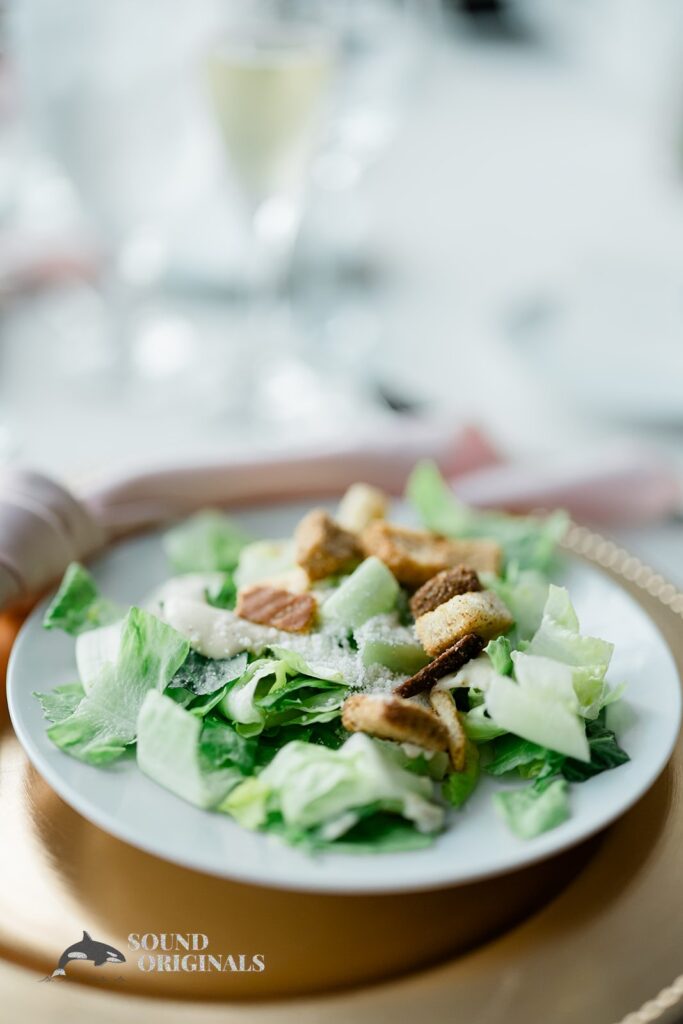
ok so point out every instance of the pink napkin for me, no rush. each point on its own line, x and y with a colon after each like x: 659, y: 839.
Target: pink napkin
x: 43, y: 526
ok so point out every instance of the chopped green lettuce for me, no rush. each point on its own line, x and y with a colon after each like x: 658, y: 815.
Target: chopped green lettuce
x: 527, y: 541
x: 534, y: 810
x: 606, y: 753
x: 105, y: 722
x: 192, y: 760
x: 524, y: 592
x: 220, y: 745
x: 498, y: 651
x: 206, y: 675
x: 479, y: 726
x: 60, y: 702
x: 95, y: 649
x: 272, y: 694
x: 296, y: 664
x: 375, y: 832
x: 459, y: 786
x: 537, y: 715
x: 309, y: 787
x: 434, y: 763
x: 207, y: 542
x: 78, y: 605
x: 224, y: 595
x: 558, y: 638
x: 263, y: 559
x: 531, y: 761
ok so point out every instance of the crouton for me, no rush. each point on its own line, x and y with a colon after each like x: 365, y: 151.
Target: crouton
x: 459, y: 580
x: 452, y: 660
x: 294, y: 613
x: 414, y: 556
x: 392, y: 719
x: 322, y: 547
x: 444, y: 705
x: 481, y: 612
x: 360, y: 506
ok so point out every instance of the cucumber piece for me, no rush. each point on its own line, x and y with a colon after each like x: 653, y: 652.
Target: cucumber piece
x: 396, y: 655
x: 537, y: 716
x: 370, y: 590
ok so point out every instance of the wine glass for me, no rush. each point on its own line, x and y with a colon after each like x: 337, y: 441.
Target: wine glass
x: 267, y: 77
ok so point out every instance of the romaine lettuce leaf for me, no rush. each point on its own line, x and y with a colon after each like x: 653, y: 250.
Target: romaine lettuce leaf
x: 534, y: 810
x: 531, y: 761
x: 59, y: 703
x: 194, y: 761
x: 524, y: 592
x: 78, y: 605
x: 459, y: 786
x: 220, y: 745
x: 95, y: 649
x: 296, y: 664
x: 206, y: 675
x: 267, y: 696
x: 498, y: 651
x: 373, y: 832
x: 558, y: 638
x: 528, y: 541
x: 307, y: 787
x: 537, y: 715
x: 479, y: 726
x: 105, y: 721
x: 209, y: 541
x: 606, y: 753
x: 223, y: 596
x: 264, y: 559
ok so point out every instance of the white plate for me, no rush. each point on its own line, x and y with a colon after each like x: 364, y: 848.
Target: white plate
x: 476, y: 845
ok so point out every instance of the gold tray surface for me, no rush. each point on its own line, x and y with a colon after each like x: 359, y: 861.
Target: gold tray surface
x: 592, y: 936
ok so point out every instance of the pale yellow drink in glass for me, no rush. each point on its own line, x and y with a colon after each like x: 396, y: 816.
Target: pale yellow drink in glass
x: 266, y: 89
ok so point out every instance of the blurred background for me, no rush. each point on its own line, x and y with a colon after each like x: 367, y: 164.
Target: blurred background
x: 232, y: 225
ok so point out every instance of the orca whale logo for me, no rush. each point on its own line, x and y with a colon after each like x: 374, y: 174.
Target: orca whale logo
x: 88, y: 949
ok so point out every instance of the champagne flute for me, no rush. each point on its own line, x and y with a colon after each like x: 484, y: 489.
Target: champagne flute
x: 267, y: 80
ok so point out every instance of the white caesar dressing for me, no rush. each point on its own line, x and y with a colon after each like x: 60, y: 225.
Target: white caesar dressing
x: 191, y: 585
x: 214, y: 632
x: 218, y: 633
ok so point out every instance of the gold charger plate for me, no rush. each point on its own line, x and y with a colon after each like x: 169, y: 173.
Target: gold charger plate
x: 594, y: 936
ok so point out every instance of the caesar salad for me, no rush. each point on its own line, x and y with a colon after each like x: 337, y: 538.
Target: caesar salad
x: 344, y: 689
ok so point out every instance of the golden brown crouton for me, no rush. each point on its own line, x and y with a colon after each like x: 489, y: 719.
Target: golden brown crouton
x: 482, y: 613
x: 392, y: 719
x: 414, y: 556
x: 295, y: 613
x: 324, y: 548
x: 442, y: 587
x: 444, y: 705
x: 360, y: 505
x: 452, y: 660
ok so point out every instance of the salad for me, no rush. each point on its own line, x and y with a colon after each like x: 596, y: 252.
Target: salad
x: 346, y: 688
